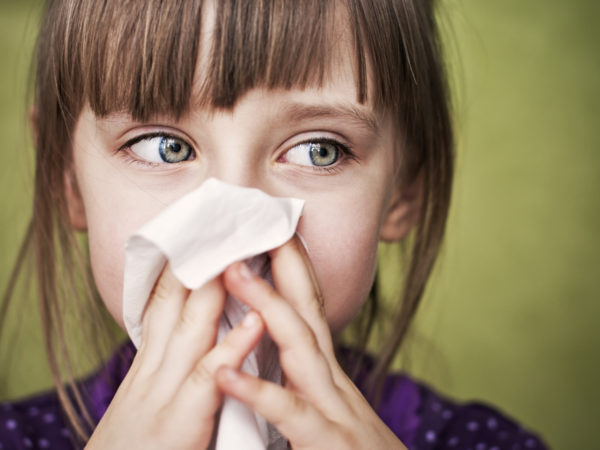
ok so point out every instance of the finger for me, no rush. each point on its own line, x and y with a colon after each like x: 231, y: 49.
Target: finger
x: 237, y: 345
x: 294, y: 417
x: 301, y: 358
x: 199, y: 395
x: 295, y: 280
x: 160, y: 316
x: 194, y: 334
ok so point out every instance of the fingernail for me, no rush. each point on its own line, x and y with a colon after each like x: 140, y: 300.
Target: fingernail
x: 250, y: 320
x: 245, y: 271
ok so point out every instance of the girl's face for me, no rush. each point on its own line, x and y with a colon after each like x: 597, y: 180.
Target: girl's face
x: 318, y: 144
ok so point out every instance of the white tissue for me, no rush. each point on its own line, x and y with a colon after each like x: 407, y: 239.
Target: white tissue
x: 200, y: 235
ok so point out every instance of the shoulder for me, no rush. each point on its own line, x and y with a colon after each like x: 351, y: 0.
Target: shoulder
x: 36, y: 422
x: 425, y: 420
x: 440, y: 423
x: 40, y: 422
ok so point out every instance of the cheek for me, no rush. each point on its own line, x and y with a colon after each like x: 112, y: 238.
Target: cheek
x: 107, y: 236
x: 343, y: 250
x: 115, y: 209
x: 110, y: 224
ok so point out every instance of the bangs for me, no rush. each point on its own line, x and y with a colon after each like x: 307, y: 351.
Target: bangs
x: 141, y: 57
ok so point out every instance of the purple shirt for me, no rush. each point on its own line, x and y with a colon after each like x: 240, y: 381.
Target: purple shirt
x: 422, y: 419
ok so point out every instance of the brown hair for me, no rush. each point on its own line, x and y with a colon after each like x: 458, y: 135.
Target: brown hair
x: 140, y: 57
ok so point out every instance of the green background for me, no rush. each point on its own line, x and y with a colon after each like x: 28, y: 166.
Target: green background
x: 510, y: 317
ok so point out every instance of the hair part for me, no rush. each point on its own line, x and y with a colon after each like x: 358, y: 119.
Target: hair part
x: 141, y: 58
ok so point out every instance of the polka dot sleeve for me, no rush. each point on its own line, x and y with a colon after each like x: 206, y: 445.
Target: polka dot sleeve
x: 473, y: 426
x: 39, y: 421
x: 34, y: 424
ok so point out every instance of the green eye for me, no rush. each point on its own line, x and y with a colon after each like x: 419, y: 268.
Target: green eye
x: 318, y: 154
x: 173, y: 150
x: 323, y: 154
x: 161, y: 149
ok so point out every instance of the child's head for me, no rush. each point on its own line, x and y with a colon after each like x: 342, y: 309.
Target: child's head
x: 342, y: 104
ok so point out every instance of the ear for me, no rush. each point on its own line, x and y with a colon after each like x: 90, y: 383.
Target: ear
x: 404, y: 211
x: 75, y: 206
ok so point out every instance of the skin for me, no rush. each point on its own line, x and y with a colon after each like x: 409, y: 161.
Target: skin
x: 179, y: 375
x: 345, y: 206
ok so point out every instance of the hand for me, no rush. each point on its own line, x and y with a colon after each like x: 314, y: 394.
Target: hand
x: 169, y: 397
x: 318, y: 406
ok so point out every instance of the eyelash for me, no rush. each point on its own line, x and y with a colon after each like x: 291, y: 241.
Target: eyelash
x: 146, y: 137
x: 347, y: 153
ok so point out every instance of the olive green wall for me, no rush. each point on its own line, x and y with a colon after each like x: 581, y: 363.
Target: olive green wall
x: 510, y: 315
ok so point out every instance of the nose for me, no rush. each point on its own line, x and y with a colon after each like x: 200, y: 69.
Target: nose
x: 236, y: 151
x: 240, y: 163
x: 234, y: 165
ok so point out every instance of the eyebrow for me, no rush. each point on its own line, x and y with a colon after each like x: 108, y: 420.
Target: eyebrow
x: 359, y: 117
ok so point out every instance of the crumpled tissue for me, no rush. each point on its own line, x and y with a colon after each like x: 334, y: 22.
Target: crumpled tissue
x: 200, y: 235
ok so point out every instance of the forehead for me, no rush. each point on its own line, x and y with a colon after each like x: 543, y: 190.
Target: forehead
x: 176, y: 55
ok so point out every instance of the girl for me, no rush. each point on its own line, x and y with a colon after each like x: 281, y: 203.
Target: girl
x: 342, y: 104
